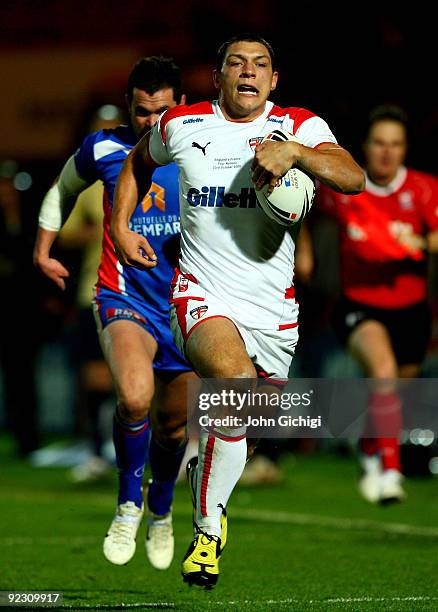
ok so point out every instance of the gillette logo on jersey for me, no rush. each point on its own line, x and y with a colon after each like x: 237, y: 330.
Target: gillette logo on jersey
x: 240, y: 259
x: 215, y: 197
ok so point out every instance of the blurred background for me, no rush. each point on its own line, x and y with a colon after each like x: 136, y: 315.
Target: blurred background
x: 64, y: 64
x: 62, y: 60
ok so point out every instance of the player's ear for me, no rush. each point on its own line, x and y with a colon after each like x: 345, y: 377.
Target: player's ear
x: 128, y: 105
x: 274, y: 80
x: 183, y: 100
x: 216, y: 79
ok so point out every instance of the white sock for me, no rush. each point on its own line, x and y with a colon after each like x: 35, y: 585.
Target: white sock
x: 220, y: 464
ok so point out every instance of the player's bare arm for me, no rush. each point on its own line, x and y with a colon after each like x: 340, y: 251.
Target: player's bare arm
x: 329, y: 163
x: 50, y: 267
x: 133, y: 183
x: 57, y: 205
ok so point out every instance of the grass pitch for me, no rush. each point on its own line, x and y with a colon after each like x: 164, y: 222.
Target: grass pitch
x: 309, y: 544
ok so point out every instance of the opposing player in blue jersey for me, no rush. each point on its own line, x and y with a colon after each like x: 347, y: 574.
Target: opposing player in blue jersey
x: 131, y: 308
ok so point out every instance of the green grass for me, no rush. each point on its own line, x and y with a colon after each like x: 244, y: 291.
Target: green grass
x: 322, y: 548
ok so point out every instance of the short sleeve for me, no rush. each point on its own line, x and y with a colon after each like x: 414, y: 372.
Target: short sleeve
x: 314, y: 132
x: 84, y: 159
x: 159, y: 140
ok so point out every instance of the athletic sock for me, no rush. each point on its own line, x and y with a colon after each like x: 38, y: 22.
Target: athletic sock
x: 165, y: 464
x: 385, y: 414
x: 368, y: 446
x: 221, y: 459
x: 131, y: 444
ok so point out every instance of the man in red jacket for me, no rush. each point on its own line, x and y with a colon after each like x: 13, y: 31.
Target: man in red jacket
x: 383, y: 316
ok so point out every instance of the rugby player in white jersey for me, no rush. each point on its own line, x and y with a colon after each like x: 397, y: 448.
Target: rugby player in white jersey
x: 233, y: 310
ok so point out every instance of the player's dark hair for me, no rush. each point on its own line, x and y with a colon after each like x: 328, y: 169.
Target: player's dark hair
x: 153, y: 73
x: 387, y: 112
x: 247, y: 37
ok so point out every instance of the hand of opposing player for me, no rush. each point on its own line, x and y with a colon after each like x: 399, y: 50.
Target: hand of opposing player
x: 272, y: 159
x: 404, y: 235
x: 132, y: 249
x: 413, y: 242
x: 53, y: 269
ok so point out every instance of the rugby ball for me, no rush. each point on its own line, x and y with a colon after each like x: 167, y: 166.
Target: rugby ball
x: 293, y: 194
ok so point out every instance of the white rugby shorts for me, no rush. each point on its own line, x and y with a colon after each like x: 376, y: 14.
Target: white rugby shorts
x: 271, y: 350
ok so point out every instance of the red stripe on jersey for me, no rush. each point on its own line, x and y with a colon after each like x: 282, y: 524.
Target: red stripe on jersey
x: 206, y: 473
x: 287, y: 326
x: 330, y: 143
x: 173, y: 282
x: 178, y: 280
x: 298, y: 115
x: 278, y: 382
x: 177, y: 273
x: 289, y: 294
x: 107, y: 273
x: 181, y: 314
x: 191, y: 277
x: 202, y: 108
x: 186, y: 298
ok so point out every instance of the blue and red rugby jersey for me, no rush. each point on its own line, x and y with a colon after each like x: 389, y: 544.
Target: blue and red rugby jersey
x: 156, y: 217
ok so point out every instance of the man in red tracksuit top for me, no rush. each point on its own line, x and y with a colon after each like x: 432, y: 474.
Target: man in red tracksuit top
x: 383, y: 316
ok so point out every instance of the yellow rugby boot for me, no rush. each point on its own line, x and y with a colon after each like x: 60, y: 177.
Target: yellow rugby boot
x: 201, y: 563
x: 191, y: 477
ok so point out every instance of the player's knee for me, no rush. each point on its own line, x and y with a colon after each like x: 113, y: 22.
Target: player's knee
x: 134, y: 405
x: 247, y: 371
x: 234, y: 369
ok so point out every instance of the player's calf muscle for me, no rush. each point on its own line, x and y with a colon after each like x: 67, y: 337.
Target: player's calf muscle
x: 170, y: 437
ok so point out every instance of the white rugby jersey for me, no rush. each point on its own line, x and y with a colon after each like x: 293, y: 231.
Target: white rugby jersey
x: 230, y: 246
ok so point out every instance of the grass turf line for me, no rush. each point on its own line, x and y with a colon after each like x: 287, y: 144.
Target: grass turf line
x: 55, y: 532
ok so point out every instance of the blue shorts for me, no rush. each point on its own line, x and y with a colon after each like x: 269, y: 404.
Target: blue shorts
x: 110, y: 306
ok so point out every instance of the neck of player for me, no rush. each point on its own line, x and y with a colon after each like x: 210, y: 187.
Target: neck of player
x: 233, y: 112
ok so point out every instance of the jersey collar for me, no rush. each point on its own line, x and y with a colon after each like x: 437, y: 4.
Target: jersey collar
x: 131, y: 136
x: 391, y: 187
x: 260, y: 119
